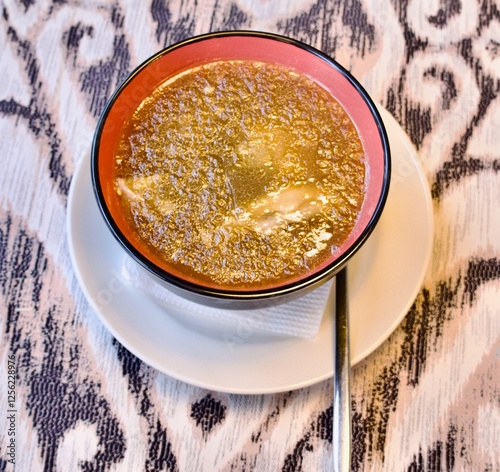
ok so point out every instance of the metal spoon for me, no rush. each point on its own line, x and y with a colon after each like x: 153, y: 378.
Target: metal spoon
x: 341, y: 379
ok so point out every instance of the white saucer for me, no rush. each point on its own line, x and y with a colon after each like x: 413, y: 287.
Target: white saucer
x: 384, y: 279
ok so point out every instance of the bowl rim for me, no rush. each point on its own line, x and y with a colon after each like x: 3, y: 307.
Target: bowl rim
x: 310, y: 281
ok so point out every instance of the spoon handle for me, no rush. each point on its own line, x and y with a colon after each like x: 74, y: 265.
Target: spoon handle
x: 341, y: 379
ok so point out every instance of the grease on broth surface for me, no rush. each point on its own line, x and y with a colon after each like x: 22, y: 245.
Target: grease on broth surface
x: 241, y: 174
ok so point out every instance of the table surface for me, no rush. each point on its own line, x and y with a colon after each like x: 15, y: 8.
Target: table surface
x: 427, y: 399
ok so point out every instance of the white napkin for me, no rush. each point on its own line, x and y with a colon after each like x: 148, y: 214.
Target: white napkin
x: 300, y: 317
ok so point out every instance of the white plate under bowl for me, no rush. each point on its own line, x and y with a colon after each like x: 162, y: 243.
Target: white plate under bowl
x: 384, y: 279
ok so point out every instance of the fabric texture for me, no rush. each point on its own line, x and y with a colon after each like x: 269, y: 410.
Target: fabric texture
x: 426, y: 400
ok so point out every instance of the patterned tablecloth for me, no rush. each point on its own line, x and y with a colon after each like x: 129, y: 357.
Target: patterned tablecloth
x: 73, y: 398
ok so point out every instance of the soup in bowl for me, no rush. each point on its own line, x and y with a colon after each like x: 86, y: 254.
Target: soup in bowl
x: 241, y: 169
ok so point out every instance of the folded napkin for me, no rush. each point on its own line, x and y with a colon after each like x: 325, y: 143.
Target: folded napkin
x: 300, y: 317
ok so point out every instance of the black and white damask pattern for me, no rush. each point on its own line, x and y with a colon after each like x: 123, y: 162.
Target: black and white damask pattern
x: 426, y: 400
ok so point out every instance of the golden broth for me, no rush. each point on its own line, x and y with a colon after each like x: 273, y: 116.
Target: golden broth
x: 241, y: 174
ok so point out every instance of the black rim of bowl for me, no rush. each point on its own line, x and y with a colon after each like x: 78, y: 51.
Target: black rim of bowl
x: 307, y: 282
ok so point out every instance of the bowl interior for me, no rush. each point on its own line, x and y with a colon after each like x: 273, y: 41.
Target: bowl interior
x: 264, y: 48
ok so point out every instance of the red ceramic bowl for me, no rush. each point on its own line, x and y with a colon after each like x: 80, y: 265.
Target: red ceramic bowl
x: 254, y: 46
